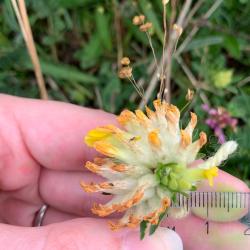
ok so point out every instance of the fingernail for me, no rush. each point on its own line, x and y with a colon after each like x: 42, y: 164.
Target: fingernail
x: 162, y: 239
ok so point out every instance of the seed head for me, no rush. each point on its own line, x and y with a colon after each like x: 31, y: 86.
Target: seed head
x: 138, y: 20
x: 125, y: 61
x: 145, y: 27
x: 125, y: 72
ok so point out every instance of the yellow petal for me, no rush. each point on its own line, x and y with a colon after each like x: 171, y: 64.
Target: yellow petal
x: 210, y: 174
x: 96, y: 135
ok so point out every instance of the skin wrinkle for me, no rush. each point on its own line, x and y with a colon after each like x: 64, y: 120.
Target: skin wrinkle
x: 18, y: 142
x: 6, y: 152
x: 39, y: 167
x: 17, y: 189
x: 16, y: 217
x: 27, y: 148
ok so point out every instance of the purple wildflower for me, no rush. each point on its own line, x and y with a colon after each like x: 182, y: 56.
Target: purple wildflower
x: 218, y: 119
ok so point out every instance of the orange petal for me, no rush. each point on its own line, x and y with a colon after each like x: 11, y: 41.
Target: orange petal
x: 118, y: 167
x: 101, y: 210
x: 129, y: 203
x: 153, y: 217
x: 106, y: 185
x: 202, y: 139
x: 116, y: 226
x: 150, y: 113
x: 92, y: 167
x: 93, y: 187
x: 100, y: 161
x: 106, y: 148
x: 133, y: 221
x: 172, y: 113
x: 193, y: 120
x: 157, y: 104
x: 185, y: 139
x: 142, y: 118
x: 125, y: 117
x: 89, y: 188
x: 154, y: 139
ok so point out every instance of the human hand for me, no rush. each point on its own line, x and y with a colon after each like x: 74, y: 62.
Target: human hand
x: 42, y: 157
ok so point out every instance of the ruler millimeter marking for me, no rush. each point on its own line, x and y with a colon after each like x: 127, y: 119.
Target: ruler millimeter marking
x: 215, y: 200
x: 226, y: 200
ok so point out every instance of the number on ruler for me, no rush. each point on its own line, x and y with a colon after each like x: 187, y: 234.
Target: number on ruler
x: 247, y: 231
x: 207, y: 225
x: 173, y: 228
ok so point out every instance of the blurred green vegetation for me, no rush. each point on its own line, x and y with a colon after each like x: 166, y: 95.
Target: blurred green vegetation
x: 78, y: 44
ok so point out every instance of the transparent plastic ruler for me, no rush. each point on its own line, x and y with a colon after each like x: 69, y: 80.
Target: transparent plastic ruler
x: 217, y: 207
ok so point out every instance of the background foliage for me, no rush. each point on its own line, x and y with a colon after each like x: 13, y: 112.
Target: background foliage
x: 78, y: 45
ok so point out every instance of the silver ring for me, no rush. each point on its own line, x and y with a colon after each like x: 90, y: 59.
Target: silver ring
x: 39, y: 216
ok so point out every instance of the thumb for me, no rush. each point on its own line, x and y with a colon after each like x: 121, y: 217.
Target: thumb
x: 85, y: 233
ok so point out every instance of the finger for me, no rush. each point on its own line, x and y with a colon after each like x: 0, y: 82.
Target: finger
x: 61, y: 190
x: 17, y: 212
x: 86, y: 234
x: 53, y: 215
x: 227, y: 206
x: 197, y: 234
x: 53, y: 131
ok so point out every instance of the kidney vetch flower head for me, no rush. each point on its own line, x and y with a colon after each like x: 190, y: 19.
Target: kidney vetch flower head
x: 147, y: 163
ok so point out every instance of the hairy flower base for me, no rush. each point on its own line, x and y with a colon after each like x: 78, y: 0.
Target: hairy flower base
x: 147, y: 163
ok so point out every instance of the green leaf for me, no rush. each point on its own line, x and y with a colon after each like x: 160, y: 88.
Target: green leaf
x: 134, y: 31
x: 148, y: 10
x: 9, y: 16
x: 110, y: 97
x: 65, y: 72
x: 103, y: 28
x: 143, y: 228
x: 90, y: 53
x: 231, y: 44
x: 203, y: 42
x: 75, y: 3
x: 239, y: 107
